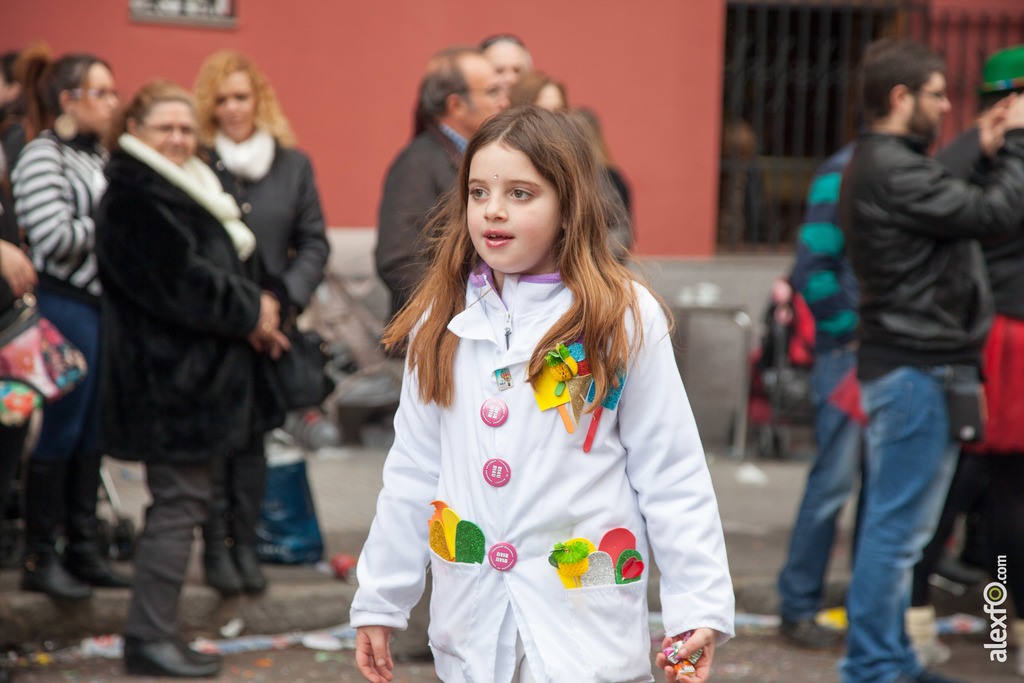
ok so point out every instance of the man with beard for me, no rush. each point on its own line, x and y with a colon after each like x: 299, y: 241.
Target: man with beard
x: 925, y: 308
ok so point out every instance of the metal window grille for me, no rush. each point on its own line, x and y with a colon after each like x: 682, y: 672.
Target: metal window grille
x: 789, y: 95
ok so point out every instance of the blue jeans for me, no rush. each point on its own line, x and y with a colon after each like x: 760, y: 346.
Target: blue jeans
x: 71, y: 424
x: 911, y: 459
x: 831, y: 480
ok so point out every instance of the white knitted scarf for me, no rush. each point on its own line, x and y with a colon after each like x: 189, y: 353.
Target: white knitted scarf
x: 249, y: 159
x: 199, y: 182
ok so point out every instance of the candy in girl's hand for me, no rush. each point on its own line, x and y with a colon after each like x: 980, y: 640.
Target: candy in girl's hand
x: 683, y: 666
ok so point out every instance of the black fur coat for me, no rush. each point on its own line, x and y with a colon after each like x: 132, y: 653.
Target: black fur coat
x: 178, y: 380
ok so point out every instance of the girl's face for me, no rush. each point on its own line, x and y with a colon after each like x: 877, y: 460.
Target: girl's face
x: 171, y: 129
x: 235, y: 107
x: 513, y: 213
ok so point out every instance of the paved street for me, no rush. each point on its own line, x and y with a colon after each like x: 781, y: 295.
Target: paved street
x: 755, y: 656
x: 758, y: 500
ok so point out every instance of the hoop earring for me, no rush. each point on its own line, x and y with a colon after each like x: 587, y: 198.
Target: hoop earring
x: 65, y: 126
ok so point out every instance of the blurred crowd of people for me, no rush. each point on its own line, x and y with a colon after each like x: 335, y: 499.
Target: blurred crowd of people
x: 911, y: 266
x: 174, y: 237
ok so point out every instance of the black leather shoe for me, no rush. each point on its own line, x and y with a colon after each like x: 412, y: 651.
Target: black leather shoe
x: 806, y: 633
x: 163, y: 658
x: 44, y: 574
x: 195, y: 655
x: 221, y: 573
x: 94, y: 570
x: 249, y: 571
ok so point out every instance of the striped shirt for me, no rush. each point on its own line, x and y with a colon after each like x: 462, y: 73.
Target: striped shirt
x: 822, y: 273
x: 57, y: 187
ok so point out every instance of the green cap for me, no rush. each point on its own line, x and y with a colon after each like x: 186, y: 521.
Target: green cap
x: 1004, y: 70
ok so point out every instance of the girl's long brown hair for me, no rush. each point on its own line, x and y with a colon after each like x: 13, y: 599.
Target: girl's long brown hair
x: 604, y: 302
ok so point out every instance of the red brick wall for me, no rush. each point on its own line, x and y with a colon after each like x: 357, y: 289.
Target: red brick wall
x: 347, y: 74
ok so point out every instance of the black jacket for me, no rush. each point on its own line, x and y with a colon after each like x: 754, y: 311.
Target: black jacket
x: 423, y: 171
x: 1004, y: 255
x: 178, y: 380
x: 283, y: 211
x: 910, y: 228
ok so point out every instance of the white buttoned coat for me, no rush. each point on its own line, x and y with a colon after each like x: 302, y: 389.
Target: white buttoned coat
x: 646, y: 472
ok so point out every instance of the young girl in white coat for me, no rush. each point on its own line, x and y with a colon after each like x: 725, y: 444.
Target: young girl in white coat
x: 543, y: 439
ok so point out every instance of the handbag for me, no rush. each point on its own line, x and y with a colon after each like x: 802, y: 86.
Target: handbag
x: 965, y: 402
x: 288, y: 531
x: 34, y: 352
x: 302, y: 370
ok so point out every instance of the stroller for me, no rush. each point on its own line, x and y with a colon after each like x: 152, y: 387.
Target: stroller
x: 780, y: 377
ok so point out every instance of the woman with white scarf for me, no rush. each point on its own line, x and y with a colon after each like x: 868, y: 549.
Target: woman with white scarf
x: 252, y: 151
x: 187, y: 333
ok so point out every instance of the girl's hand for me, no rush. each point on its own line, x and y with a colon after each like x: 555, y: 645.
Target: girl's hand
x: 373, y: 655
x: 701, y: 638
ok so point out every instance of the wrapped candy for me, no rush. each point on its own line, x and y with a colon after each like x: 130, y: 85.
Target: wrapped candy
x: 685, y: 666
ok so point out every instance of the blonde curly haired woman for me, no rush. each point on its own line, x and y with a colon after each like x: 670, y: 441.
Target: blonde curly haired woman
x: 251, y: 148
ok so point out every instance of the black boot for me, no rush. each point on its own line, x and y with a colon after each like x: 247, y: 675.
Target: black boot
x: 247, y: 478
x: 85, y: 556
x: 44, y: 507
x: 221, y: 573
x: 164, y: 658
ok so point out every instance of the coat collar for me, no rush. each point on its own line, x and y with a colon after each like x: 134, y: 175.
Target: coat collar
x: 526, y: 302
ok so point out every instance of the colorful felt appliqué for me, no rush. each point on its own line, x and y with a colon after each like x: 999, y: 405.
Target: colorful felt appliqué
x: 549, y: 389
x: 454, y: 539
x: 600, y: 570
x: 469, y: 543
x: 629, y: 566
x: 580, y: 563
x: 611, y: 402
x: 615, y: 541
x: 451, y: 524
x: 437, y: 541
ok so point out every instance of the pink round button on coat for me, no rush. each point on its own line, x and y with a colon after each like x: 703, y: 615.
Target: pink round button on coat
x: 494, y: 412
x: 502, y: 556
x: 497, y: 472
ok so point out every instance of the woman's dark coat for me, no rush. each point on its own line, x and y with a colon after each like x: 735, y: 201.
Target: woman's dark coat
x: 283, y: 211
x: 179, y: 381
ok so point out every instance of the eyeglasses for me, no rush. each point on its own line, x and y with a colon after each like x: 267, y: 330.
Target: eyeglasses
x: 96, y: 93
x: 940, y: 96
x: 168, y: 129
x: 494, y: 92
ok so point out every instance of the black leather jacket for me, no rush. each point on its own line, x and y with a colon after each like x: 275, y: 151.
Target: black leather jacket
x: 910, y: 228
x: 1004, y: 255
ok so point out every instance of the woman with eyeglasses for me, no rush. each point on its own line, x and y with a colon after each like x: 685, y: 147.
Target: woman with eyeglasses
x: 57, y: 182
x: 187, y: 335
x: 251, y: 148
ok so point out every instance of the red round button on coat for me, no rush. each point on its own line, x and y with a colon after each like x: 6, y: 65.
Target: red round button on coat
x: 502, y: 556
x: 494, y: 412
x: 497, y: 472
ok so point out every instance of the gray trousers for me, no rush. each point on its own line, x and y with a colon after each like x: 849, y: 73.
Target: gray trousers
x: 181, y: 495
